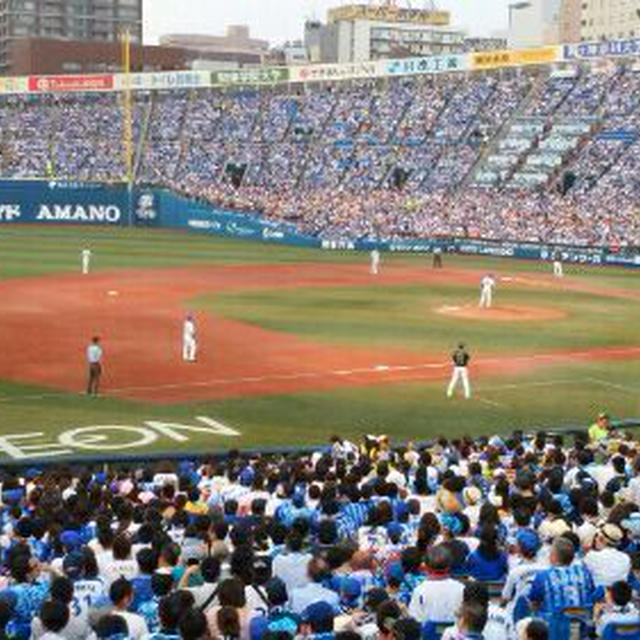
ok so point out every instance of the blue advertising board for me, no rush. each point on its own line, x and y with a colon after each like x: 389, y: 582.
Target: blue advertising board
x: 86, y: 203
x: 54, y: 202
x: 163, y: 208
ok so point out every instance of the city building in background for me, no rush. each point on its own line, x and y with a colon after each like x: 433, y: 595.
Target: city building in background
x: 570, y: 18
x: 533, y: 23
x: 78, y: 20
x: 494, y: 43
x: 361, y: 32
x: 41, y: 56
x: 539, y: 22
x: 236, y: 41
x: 609, y: 20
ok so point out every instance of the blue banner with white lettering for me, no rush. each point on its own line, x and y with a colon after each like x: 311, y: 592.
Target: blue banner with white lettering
x: 56, y: 202
x: 83, y: 203
x: 165, y: 209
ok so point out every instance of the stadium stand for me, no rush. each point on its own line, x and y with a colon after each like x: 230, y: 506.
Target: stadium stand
x: 510, y: 155
x: 496, y: 538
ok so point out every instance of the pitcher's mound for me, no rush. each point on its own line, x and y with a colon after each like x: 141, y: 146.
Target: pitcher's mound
x: 501, y: 313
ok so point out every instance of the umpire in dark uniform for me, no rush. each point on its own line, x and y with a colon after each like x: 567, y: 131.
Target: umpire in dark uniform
x: 94, y: 360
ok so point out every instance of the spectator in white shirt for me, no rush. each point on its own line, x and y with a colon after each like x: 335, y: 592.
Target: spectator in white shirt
x: 617, y: 607
x: 77, y: 627
x: 606, y: 563
x: 54, y: 617
x: 313, y: 591
x: 437, y: 598
x: 291, y: 565
x: 121, y: 594
x: 121, y: 564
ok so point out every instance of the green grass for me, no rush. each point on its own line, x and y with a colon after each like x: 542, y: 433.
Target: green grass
x: 405, y: 317
x: 399, y: 317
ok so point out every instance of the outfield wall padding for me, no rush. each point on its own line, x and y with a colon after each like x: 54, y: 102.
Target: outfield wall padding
x: 82, y: 203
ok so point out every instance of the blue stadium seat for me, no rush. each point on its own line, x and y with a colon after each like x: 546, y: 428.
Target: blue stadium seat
x: 622, y: 631
x: 572, y: 623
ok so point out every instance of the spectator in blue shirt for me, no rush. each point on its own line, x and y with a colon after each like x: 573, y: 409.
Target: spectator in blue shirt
x: 488, y: 562
x: 563, y: 585
x: 147, y: 563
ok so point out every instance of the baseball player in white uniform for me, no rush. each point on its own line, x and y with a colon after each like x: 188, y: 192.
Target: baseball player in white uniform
x: 487, y: 285
x: 189, y: 341
x: 85, y: 256
x: 460, y: 373
x: 375, y: 262
x: 557, y: 265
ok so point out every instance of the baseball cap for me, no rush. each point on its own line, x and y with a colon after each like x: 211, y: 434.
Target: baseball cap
x: 71, y: 539
x: 450, y: 522
x: 528, y: 540
x: 350, y: 591
x: 319, y: 614
x: 246, y: 476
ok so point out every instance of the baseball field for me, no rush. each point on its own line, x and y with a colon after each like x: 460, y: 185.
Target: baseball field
x: 294, y: 344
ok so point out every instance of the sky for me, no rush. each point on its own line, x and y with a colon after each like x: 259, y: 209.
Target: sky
x: 281, y: 20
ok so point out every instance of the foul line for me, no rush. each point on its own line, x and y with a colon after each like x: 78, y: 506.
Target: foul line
x: 376, y: 369
x: 613, y: 385
x: 379, y: 369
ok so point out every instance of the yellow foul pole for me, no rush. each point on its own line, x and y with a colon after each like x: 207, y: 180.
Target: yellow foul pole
x: 127, y: 107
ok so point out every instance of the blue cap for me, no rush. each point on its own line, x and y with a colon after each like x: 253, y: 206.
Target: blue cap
x: 246, y: 476
x: 395, y: 572
x: 451, y: 522
x: 350, y: 591
x: 528, y: 540
x: 71, y: 539
x: 318, y: 613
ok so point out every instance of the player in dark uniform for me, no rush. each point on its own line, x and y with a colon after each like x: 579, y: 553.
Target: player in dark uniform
x: 461, y: 360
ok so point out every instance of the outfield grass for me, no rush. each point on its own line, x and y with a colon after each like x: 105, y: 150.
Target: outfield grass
x: 384, y: 316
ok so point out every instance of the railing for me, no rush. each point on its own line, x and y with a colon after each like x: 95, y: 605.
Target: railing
x: 120, y: 460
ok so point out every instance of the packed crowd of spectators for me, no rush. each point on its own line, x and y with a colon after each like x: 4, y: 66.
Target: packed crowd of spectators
x: 358, y: 160
x: 518, y: 537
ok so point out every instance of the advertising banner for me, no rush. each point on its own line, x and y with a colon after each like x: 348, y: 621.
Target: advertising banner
x: 608, y: 49
x: 53, y: 202
x: 164, y: 80
x: 17, y: 84
x: 166, y: 209
x: 329, y: 72
x: 513, y: 58
x: 247, y: 77
x: 423, y: 65
x: 59, y: 84
x: 63, y: 203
